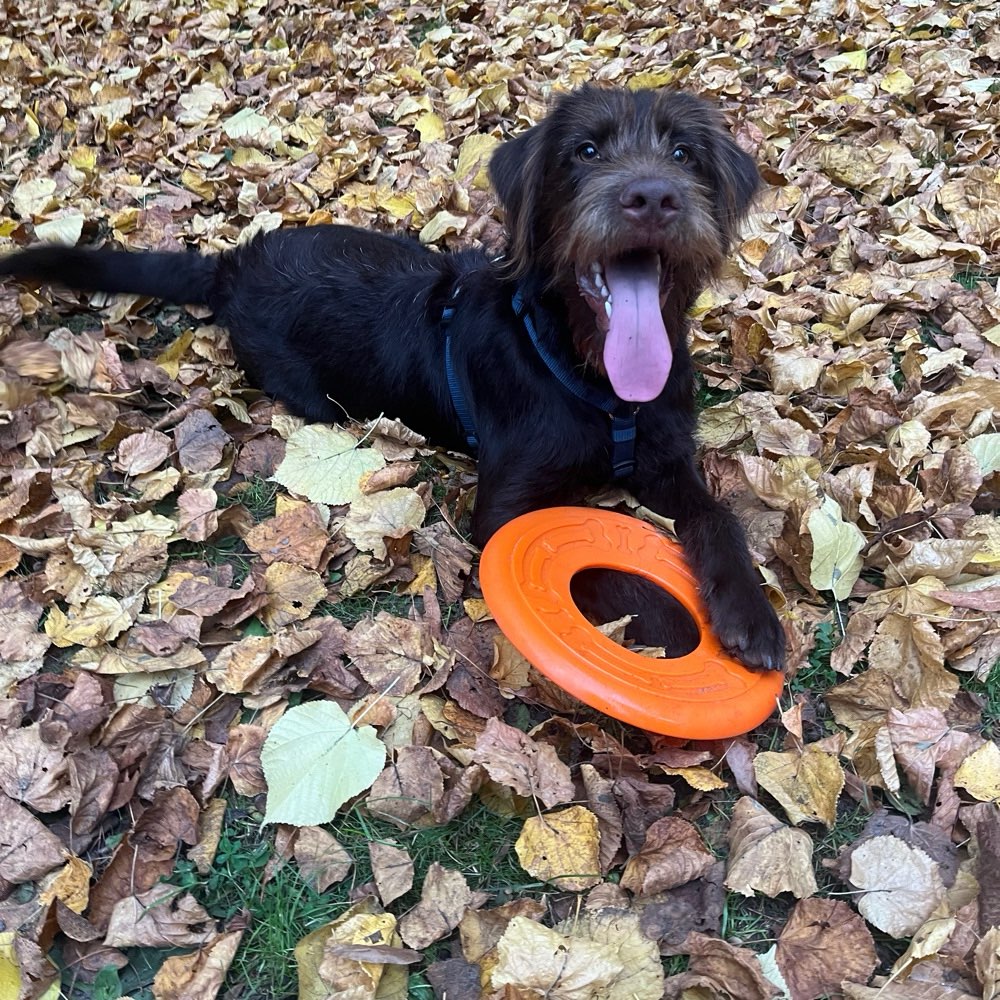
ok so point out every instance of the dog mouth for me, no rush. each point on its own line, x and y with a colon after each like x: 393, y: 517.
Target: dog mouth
x: 627, y: 294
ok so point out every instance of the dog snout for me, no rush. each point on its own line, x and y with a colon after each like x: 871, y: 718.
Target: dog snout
x: 649, y: 201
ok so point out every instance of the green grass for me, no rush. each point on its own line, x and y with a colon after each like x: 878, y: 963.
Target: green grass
x: 707, y: 395
x: 987, y: 692
x: 283, y: 909
x: 969, y: 277
x: 818, y: 675
x: 257, y: 494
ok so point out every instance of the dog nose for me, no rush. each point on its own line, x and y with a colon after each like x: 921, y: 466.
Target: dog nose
x: 649, y: 201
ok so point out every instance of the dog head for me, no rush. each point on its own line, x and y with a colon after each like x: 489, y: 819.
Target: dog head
x: 623, y: 200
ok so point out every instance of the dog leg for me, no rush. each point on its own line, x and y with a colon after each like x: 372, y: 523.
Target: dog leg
x: 716, y: 548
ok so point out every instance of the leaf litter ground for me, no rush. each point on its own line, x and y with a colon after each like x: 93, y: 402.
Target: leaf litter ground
x: 173, y: 580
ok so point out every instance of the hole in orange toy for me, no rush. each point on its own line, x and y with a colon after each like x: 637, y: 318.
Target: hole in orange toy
x: 659, y: 619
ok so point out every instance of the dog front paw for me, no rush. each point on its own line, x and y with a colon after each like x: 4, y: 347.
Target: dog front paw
x: 746, y: 625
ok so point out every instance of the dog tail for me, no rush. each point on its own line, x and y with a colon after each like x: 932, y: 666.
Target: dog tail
x: 183, y: 278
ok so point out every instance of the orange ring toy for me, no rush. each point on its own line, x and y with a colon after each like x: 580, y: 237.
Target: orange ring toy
x: 525, y: 572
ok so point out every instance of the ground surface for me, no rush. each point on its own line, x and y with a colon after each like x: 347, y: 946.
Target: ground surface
x: 164, y: 602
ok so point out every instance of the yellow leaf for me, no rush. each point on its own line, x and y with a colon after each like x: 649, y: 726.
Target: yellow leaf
x: 979, y: 773
x: 858, y: 59
x: 896, y: 81
x: 562, y: 848
x: 170, y: 359
x: 430, y: 126
x: 101, y: 619
x: 806, y: 782
x: 10, y: 973
x: 476, y: 609
x: 71, y: 884
x: 474, y: 154
x: 698, y: 777
x: 442, y: 223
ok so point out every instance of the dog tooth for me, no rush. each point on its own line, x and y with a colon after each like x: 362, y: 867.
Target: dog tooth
x: 607, y: 307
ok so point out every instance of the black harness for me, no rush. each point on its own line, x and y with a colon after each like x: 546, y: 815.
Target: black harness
x: 622, y: 414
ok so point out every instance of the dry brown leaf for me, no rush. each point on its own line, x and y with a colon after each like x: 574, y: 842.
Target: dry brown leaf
x: 392, y: 869
x: 142, y: 452
x: 766, y: 856
x: 200, y: 973
x: 390, y: 514
x: 530, y: 768
x: 321, y: 858
x: 158, y: 918
x: 200, y: 441
x: 717, y: 969
x: 409, y: 788
x: 673, y: 853
x: 443, y: 899
x: 824, y: 943
x: 806, y: 782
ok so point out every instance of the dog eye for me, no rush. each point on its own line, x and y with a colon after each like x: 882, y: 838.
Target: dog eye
x: 588, y: 151
x: 680, y: 154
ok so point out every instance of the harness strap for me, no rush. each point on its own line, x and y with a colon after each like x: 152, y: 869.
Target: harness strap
x: 623, y: 416
x: 454, y: 386
x: 623, y: 430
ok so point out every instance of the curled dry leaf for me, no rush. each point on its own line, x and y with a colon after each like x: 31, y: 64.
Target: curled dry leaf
x: 443, y: 900
x: 200, y: 973
x: 766, y: 856
x: 528, y: 767
x: 824, y: 943
x: 389, y: 514
x: 806, y: 782
x: 673, y: 853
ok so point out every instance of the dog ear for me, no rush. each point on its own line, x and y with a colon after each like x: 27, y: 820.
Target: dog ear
x: 738, y: 181
x: 517, y: 172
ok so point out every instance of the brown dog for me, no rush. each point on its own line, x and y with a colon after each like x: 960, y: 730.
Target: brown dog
x: 564, y: 363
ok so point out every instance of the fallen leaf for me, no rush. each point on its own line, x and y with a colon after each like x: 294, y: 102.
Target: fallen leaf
x: 443, y: 900
x: 326, y: 464
x: 561, y: 848
x: 979, y: 773
x: 314, y: 760
x: 673, y: 853
x: 900, y: 885
x: 530, y: 768
x: 806, y: 782
x: 766, y: 856
x: 824, y: 943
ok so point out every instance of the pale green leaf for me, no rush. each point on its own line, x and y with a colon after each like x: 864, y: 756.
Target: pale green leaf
x: 986, y: 449
x: 314, y: 760
x: 836, y: 563
x: 62, y: 231
x: 325, y: 464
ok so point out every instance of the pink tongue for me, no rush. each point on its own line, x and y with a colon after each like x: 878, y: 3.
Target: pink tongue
x: 637, y: 352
